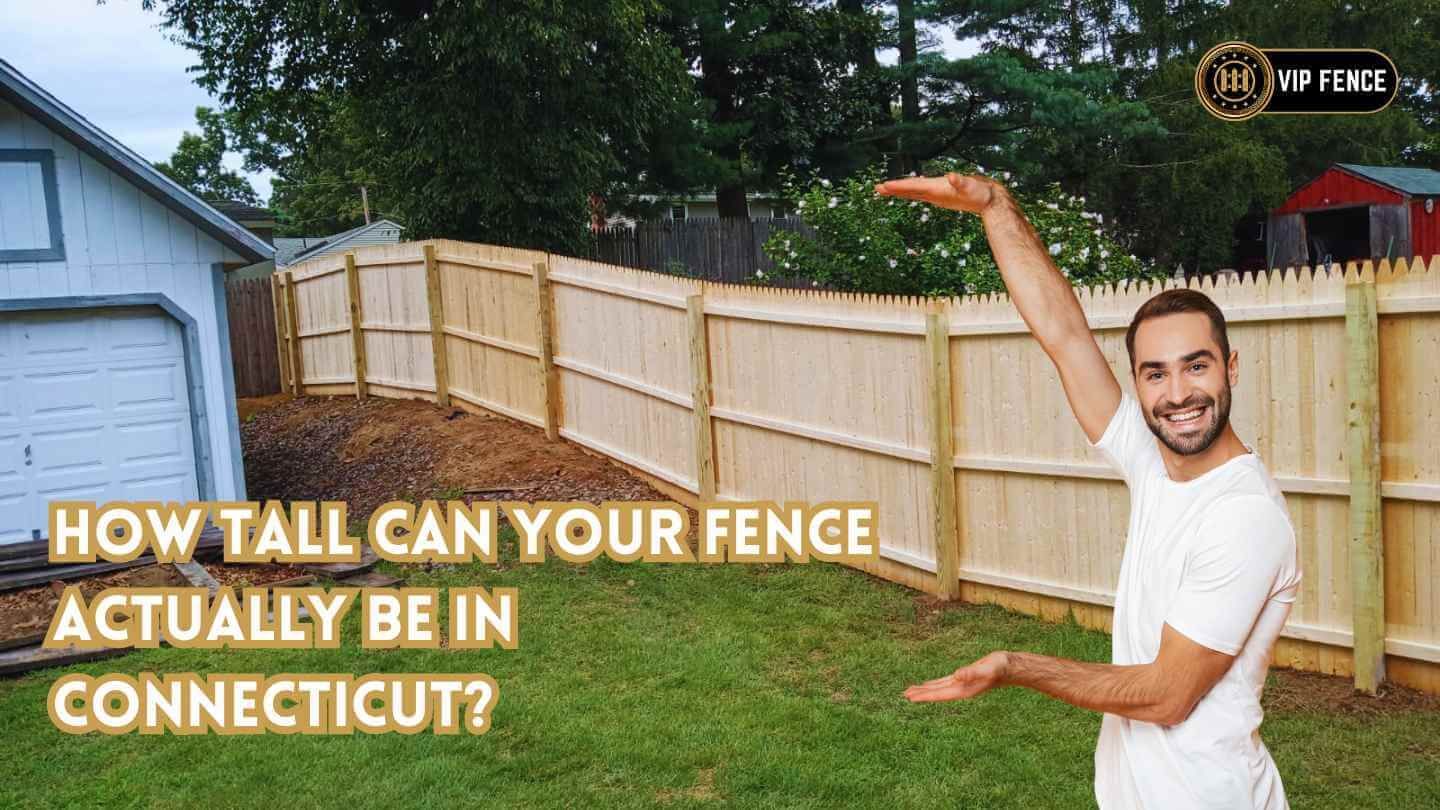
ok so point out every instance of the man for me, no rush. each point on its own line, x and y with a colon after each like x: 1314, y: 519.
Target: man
x: 1210, y: 570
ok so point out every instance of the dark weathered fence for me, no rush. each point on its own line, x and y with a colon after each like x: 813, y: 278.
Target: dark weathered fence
x: 252, y: 337
x: 712, y: 248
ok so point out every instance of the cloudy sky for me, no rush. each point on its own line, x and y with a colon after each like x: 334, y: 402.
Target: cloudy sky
x: 127, y: 77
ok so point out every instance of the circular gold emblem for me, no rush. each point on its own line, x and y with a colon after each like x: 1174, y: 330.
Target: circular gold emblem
x: 1234, y: 81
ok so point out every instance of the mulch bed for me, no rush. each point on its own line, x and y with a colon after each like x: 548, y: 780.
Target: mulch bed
x: 368, y: 452
x: 26, y: 613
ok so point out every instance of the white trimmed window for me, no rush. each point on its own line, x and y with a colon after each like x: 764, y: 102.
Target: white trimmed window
x: 29, y: 207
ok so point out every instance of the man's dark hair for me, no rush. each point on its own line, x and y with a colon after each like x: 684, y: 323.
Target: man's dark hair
x: 1172, y: 302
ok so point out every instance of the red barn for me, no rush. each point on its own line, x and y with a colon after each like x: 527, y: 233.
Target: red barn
x: 1357, y: 212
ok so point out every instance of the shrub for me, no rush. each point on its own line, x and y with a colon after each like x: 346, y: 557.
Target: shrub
x: 866, y: 243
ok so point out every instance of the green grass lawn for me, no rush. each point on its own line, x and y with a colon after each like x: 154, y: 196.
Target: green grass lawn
x: 680, y: 686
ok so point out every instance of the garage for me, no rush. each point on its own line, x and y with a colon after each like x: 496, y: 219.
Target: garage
x: 93, y: 406
x: 115, y: 375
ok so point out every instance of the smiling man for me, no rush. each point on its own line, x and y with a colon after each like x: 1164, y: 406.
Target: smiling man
x: 1209, y: 572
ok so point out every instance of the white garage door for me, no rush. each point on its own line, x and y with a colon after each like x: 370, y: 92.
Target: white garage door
x: 93, y: 407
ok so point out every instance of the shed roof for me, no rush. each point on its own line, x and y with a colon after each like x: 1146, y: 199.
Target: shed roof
x: 1401, y: 178
x: 35, y: 101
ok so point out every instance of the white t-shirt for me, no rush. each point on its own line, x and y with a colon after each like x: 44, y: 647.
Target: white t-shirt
x: 1215, y: 558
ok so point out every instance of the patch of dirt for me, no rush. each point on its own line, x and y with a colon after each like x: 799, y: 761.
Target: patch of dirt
x: 26, y: 612
x: 249, y: 406
x: 239, y: 575
x: 1291, y: 691
x: 702, y: 790
x: 368, y: 452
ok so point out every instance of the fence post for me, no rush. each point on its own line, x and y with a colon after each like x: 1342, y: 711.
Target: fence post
x: 437, y: 327
x: 297, y: 365
x: 942, y: 452
x: 1367, y: 568
x: 357, y: 336
x: 277, y: 302
x: 700, y: 398
x: 549, y: 380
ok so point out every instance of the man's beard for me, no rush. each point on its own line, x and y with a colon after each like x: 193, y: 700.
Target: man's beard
x: 1191, y: 443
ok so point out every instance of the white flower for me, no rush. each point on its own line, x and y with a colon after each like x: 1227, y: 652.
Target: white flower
x: 1104, y: 254
x: 962, y: 261
x: 761, y: 273
x: 966, y: 247
x: 909, y: 251
x: 1132, y: 257
x: 787, y: 244
x: 834, y: 202
x: 979, y: 168
x: 1005, y: 175
x: 1055, y: 249
x: 1052, y: 206
x: 1084, y: 253
x: 864, y: 239
x: 792, y: 254
x: 944, y: 253
x: 787, y: 266
x: 1102, y: 267
x: 814, y: 284
x: 925, y: 217
x: 862, y: 257
x: 892, y: 264
x: 969, y: 288
x: 1097, y: 231
x: 1065, y: 271
x: 1082, y: 200
x: 801, y: 204
x: 1100, y: 218
x: 914, y: 203
x: 825, y: 183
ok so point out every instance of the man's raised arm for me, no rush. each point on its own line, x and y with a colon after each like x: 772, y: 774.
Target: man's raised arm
x: 1043, y: 296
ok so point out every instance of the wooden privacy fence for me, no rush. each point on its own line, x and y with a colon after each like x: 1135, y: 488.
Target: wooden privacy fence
x: 946, y: 413
x: 710, y: 248
x: 252, y: 330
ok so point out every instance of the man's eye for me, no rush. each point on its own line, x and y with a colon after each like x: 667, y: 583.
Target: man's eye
x: 1154, y: 375
x: 1198, y: 367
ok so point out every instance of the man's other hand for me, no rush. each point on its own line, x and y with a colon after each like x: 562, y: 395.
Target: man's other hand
x: 958, y: 192
x: 963, y: 683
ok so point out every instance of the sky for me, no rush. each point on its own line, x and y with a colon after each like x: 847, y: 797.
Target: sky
x: 128, y: 78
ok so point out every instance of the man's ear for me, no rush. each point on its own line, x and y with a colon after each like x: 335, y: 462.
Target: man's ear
x: 1232, y: 368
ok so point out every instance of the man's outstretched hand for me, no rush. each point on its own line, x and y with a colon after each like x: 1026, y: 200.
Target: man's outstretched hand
x: 958, y: 192
x: 962, y: 684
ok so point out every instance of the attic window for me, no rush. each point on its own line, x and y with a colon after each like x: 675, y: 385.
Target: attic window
x: 677, y: 212
x: 29, y: 207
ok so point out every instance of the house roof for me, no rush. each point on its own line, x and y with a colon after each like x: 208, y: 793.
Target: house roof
x: 1403, y: 179
x: 243, y: 212
x: 332, y: 243
x: 35, y: 101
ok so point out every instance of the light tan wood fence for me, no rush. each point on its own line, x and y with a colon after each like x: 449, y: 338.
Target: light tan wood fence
x: 819, y: 396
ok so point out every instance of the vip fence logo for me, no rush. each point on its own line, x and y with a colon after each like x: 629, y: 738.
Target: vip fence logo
x: 1236, y: 80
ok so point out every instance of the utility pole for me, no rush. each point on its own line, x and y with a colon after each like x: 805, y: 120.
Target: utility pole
x: 365, y: 204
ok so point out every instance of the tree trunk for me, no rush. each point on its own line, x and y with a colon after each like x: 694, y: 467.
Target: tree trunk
x: 717, y: 83
x: 909, y: 85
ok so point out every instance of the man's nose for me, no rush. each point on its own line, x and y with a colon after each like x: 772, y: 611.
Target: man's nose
x: 1177, y: 390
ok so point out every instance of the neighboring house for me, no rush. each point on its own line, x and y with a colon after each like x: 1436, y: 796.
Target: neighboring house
x: 295, y: 249
x: 115, y: 375
x: 680, y: 207
x: 1357, y: 212
x: 257, y: 220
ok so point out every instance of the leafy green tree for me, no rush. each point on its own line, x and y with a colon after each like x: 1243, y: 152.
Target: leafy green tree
x: 866, y: 243
x: 197, y: 163
x: 472, y: 123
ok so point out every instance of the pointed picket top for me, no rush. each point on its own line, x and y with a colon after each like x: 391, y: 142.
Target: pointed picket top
x: 1367, y: 272
x: 1385, y: 269
x: 1352, y: 273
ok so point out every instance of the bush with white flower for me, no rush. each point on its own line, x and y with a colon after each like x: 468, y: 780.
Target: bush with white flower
x: 866, y: 243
